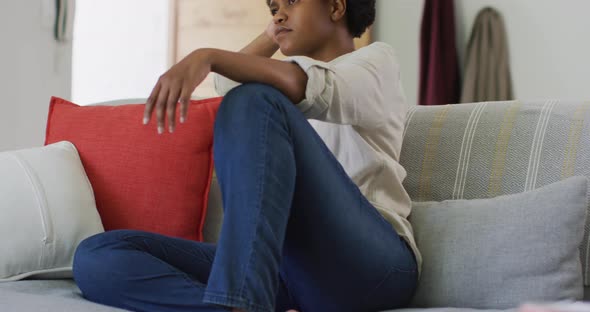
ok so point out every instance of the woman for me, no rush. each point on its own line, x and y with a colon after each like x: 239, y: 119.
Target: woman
x: 314, y: 211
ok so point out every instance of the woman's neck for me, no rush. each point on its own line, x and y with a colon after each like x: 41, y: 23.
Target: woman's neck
x: 341, y: 43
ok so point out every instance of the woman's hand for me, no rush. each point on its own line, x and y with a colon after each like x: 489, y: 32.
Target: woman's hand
x: 270, y: 31
x: 177, y: 85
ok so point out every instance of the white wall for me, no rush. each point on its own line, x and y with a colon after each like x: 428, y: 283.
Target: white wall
x: 120, y: 48
x: 398, y: 23
x: 547, y: 40
x: 33, y: 67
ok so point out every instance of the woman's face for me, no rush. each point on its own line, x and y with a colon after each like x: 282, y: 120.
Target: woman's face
x: 302, y: 27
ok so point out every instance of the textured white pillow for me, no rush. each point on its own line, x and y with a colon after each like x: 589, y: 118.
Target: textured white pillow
x: 46, y: 208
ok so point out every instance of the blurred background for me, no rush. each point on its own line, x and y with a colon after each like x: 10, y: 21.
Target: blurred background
x: 92, y: 51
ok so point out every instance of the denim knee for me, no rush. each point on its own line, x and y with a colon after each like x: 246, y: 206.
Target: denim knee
x: 249, y: 90
x: 90, y: 265
x: 245, y: 106
x: 251, y: 98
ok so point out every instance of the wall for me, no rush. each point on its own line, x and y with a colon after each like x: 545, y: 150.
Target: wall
x: 549, y: 52
x: 119, y: 53
x: 33, y: 67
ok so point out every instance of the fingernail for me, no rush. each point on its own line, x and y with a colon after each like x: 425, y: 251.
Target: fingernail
x: 171, y: 129
x: 160, y: 129
x: 145, y: 120
x: 182, y: 119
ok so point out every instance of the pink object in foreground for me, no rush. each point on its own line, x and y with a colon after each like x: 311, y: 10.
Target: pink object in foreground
x: 556, y: 307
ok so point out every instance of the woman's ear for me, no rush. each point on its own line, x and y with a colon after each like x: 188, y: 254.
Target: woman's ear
x: 338, y: 9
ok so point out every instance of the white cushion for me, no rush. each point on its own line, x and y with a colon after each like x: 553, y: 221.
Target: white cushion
x: 46, y: 208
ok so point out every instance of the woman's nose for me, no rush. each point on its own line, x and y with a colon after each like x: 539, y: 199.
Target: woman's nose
x: 280, y: 18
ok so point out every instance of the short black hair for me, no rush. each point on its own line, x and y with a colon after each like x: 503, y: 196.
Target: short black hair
x: 360, y: 15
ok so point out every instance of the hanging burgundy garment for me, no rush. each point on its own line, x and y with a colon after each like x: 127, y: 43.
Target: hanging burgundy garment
x: 439, y: 66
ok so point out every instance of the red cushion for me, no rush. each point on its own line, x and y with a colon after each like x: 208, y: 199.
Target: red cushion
x: 142, y: 180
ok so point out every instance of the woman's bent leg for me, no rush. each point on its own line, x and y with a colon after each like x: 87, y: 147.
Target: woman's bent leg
x: 255, y: 167
x: 281, y: 186
x: 143, y: 271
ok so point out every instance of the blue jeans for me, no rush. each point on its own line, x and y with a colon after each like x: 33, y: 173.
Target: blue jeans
x: 297, y: 232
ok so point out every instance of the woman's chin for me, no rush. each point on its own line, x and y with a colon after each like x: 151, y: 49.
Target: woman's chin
x: 287, y: 50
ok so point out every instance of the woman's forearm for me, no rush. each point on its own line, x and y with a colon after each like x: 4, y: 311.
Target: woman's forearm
x: 263, y: 45
x: 287, y: 77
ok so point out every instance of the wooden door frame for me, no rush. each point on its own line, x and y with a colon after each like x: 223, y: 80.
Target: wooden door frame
x: 172, y: 32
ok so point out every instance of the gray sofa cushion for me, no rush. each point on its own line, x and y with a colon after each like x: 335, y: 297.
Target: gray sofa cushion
x: 498, y: 253
x: 488, y: 149
x: 46, y: 296
x: 64, y: 296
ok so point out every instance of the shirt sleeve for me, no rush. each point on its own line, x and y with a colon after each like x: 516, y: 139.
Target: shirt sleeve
x: 223, y: 85
x: 359, y: 89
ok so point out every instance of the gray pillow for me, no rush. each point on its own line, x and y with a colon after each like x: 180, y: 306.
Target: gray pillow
x: 500, y: 252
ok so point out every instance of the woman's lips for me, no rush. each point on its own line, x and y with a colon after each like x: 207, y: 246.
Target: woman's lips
x: 281, y: 31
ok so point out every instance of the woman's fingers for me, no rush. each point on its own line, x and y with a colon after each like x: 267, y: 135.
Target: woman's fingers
x: 149, y: 106
x: 175, y: 86
x: 171, y: 107
x: 160, y: 108
x: 185, y: 97
x: 164, y: 98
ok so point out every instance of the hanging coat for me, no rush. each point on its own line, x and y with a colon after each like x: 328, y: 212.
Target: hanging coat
x: 487, y: 70
x: 439, y: 65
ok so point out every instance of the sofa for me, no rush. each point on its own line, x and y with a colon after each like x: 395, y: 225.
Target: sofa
x: 451, y: 152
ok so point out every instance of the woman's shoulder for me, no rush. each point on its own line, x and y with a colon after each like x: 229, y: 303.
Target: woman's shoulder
x: 378, y: 53
x: 380, y: 45
x: 378, y: 49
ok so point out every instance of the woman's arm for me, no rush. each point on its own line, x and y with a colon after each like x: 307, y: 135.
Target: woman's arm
x: 251, y: 65
x: 285, y: 76
x: 263, y: 45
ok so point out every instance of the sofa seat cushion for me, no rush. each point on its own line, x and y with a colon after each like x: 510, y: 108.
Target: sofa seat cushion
x: 46, y: 296
x: 64, y: 295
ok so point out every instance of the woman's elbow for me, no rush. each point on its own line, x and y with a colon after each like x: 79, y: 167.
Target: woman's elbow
x: 296, y: 85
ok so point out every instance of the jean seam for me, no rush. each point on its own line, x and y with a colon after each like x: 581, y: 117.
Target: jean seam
x: 251, y: 255
x: 171, y: 268
x: 389, y: 273
x: 232, y: 299
x: 263, y: 138
x: 125, y: 237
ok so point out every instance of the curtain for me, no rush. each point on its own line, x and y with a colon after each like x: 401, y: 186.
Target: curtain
x: 487, y: 70
x: 439, y: 66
